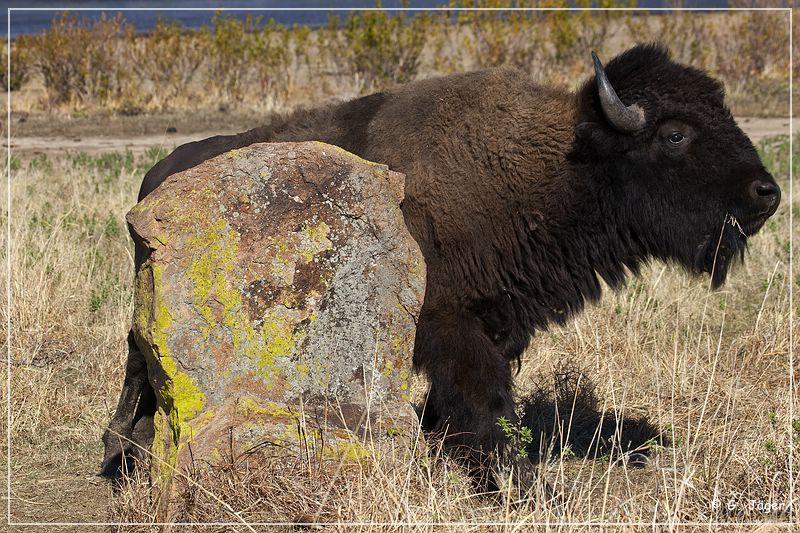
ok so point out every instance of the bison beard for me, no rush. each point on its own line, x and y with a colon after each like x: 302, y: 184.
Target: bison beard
x: 522, y: 198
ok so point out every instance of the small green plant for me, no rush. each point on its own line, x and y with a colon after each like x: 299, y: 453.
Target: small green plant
x: 98, y: 297
x: 567, y: 453
x: 83, y: 224
x: 40, y: 163
x: 773, y: 418
x: 14, y: 163
x: 112, y: 228
x: 518, y: 435
x: 677, y: 439
x: 654, y: 445
x: 109, y: 166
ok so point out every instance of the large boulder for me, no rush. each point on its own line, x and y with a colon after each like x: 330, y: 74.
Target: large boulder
x: 277, y: 305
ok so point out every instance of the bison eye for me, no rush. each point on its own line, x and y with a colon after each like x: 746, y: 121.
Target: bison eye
x: 676, y: 137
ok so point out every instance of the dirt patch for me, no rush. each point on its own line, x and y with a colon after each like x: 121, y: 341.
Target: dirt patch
x: 34, y: 134
x: 759, y: 128
x: 53, y: 136
x: 48, y: 491
x: 121, y: 126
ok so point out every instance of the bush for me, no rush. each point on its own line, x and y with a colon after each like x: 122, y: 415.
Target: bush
x: 760, y: 49
x: 551, y: 44
x: 233, y: 52
x: 574, y: 34
x: 165, y: 62
x: 104, y: 64
x: 377, y: 48
x: 273, y: 52
x: 20, y: 64
x: 495, y: 38
x: 77, y: 59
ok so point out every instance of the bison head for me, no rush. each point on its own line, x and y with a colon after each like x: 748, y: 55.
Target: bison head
x: 681, y: 176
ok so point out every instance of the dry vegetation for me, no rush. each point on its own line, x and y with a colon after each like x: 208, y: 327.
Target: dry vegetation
x: 80, y: 66
x: 711, y: 368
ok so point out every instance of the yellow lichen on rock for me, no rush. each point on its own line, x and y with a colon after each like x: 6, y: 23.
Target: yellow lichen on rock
x: 181, y: 401
x: 348, y: 450
x: 249, y: 406
x: 214, y: 278
x: 215, y: 260
x: 163, y: 449
x: 313, y: 240
x: 184, y: 399
x: 278, y: 338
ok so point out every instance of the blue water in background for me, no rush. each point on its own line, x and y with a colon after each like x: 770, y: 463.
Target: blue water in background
x: 31, y: 22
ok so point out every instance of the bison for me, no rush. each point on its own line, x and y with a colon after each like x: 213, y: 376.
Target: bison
x: 522, y: 198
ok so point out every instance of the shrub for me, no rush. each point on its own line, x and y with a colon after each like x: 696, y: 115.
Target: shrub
x: 573, y: 34
x: 243, y: 57
x: 272, y: 58
x: 495, y: 38
x: 20, y: 64
x: 760, y: 48
x: 77, y: 59
x: 233, y: 52
x: 101, y: 64
x: 165, y: 62
x: 377, y: 48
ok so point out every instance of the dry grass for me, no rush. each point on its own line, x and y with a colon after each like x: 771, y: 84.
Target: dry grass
x: 711, y: 368
x: 72, y: 301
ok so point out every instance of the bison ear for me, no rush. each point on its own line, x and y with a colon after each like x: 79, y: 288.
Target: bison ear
x: 585, y: 130
x: 599, y: 139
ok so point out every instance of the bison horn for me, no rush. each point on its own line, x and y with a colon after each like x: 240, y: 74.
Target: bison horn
x: 625, y: 119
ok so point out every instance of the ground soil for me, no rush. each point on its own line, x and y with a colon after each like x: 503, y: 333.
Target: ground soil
x: 36, y: 134
x: 55, y: 493
x: 32, y: 134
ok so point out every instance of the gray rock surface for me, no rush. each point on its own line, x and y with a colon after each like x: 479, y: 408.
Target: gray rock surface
x: 278, y: 304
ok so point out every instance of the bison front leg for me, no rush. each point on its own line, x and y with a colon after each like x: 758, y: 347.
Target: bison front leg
x: 131, y: 428
x: 470, y: 390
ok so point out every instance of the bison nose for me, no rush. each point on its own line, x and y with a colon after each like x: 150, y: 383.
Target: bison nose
x: 766, y: 193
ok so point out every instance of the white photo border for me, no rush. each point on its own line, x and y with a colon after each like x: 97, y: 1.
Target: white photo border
x: 791, y: 396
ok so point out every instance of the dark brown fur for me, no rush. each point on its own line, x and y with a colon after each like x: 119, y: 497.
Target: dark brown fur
x: 521, y: 198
